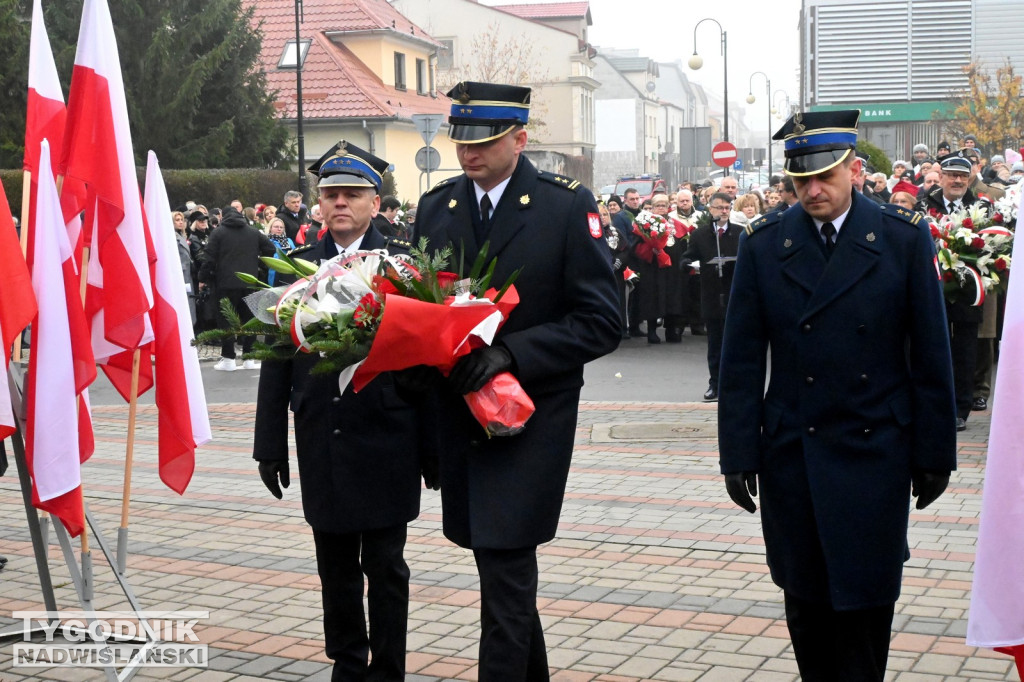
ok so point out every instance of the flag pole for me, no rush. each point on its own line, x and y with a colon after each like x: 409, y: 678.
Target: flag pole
x: 129, y: 455
x: 26, y: 193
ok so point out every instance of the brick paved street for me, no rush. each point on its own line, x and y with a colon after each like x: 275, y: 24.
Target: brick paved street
x: 654, y: 576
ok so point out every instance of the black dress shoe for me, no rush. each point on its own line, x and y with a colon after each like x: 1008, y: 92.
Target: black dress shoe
x: 711, y: 395
x: 979, y: 405
x: 652, y: 337
x: 961, y: 424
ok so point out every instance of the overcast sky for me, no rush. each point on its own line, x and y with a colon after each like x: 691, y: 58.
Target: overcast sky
x: 762, y: 36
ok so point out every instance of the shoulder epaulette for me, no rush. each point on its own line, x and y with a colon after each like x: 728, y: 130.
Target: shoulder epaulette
x: 769, y: 218
x: 300, y: 251
x: 441, y: 185
x: 560, y: 180
x: 400, y: 242
x: 906, y: 215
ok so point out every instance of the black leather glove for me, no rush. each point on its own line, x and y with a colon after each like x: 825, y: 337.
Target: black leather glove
x: 926, y: 486
x: 270, y: 471
x: 431, y: 469
x: 740, y: 487
x: 472, y: 371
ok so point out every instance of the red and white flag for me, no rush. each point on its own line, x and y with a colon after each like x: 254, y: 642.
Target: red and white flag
x: 98, y: 151
x: 996, y: 618
x: 183, y: 422
x: 52, y: 447
x: 17, y: 304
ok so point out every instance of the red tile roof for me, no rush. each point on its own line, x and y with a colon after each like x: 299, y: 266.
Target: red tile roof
x: 551, y: 10
x: 335, y: 84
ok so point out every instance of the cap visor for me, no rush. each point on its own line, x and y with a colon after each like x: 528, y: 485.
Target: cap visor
x: 345, y: 180
x: 471, y: 134
x: 817, y: 162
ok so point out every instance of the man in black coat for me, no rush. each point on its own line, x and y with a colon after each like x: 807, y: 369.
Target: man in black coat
x: 233, y: 247
x: 293, y: 213
x: 954, y: 194
x: 715, y: 245
x: 359, y: 454
x: 502, y: 496
x: 858, y: 415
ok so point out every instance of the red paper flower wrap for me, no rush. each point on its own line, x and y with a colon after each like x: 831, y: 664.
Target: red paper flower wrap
x: 414, y: 332
x: 648, y: 246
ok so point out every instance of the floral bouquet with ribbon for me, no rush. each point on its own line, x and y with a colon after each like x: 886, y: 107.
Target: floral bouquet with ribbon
x: 373, y: 312
x: 972, y: 254
x: 654, y: 233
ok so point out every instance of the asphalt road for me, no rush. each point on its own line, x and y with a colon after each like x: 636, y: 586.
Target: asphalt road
x: 637, y: 371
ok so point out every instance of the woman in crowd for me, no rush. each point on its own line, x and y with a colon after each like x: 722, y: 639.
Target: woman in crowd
x: 280, y: 241
x: 185, y: 256
x: 749, y: 207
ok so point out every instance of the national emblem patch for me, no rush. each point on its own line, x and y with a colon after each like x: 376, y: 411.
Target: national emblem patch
x: 594, y: 222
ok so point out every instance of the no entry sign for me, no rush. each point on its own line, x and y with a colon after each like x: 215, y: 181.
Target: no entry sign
x: 723, y: 154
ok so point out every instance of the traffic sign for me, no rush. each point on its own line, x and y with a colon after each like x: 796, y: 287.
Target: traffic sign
x: 428, y: 159
x: 427, y: 125
x: 724, y: 154
x: 738, y: 165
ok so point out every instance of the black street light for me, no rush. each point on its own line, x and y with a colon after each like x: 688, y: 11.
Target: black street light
x: 751, y: 99
x: 696, y: 61
x: 300, y: 59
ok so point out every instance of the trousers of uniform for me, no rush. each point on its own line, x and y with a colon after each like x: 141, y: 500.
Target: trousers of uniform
x: 716, y: 332
x: 963, y: 345
x: 983, y: 368
x: 342, y: 561
x: 511, y: 637
x: 839, y: 646
x: 236, y: 296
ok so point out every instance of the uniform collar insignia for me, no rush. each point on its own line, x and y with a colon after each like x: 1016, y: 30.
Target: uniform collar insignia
x: 788, y: 243
x: 452, y: 204
x: 525, y: 200
x: 871, y: 236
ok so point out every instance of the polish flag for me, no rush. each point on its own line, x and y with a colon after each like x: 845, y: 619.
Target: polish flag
x: 52, y: 447
x: 98, y: 151
x: 17, y: 306
x: 183, y: 422
x: 996, y: 617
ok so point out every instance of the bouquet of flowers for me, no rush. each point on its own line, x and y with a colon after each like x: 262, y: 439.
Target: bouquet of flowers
x: 373, y: 312
x: 1007, y: 207
x: 973, y: 254
x: 654, y: 232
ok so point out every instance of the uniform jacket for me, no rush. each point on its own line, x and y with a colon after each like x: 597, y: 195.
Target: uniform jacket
x: 934, y: 204
x: 714, y: 290
x: 507, y: 492
x: 861, y: 395
x: 358, y: 453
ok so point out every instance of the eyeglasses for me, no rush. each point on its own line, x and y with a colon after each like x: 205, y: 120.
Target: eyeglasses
x: 724, y: 207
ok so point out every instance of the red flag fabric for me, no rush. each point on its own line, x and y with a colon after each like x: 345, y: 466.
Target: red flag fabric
x: 52, y: 449
x: 183, y: 421
x: 17, y: 302
x: 97, y: 150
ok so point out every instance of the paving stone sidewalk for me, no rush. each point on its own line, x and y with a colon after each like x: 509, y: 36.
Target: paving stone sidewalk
x: 655, y: 575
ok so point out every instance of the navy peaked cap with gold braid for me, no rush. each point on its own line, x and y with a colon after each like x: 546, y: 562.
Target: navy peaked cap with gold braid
x: 818, y: 140
x: 485, y: 111
x: 346, y: 165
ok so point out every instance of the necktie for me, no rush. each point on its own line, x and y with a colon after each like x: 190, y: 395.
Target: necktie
x: 485, y: 218
x: 828, y: 231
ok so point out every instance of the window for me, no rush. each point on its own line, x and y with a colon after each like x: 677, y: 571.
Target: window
x: 291, y: 57
x: 421, y: 76
x: 446, y: 54
x: 399, y: 71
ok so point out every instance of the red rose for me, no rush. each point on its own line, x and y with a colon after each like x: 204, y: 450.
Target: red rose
x: 936, y: 233
x: 978, y: 243
x: 447, y: 279
x: 947, y: 276
x: 382, y: 285
x: 1001, y: 264
x: 933, y: 212
x: 368, y: 310
x: 968, y: 223
x: 997, y: 218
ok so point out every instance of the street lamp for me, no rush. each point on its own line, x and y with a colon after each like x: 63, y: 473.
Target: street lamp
x: 696, y: 61
x: 299, y: 61
x: 775, y: 102
x: 750, y: 100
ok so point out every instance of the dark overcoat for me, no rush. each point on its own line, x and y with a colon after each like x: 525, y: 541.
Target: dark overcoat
x: 860, y: 395
x: 703, y: 246
x: 506, y: 492
x: 359, y: 453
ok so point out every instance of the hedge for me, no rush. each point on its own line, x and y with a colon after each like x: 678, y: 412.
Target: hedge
x: 211, y: 187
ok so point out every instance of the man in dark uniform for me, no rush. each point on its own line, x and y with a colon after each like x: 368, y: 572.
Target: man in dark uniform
x: 359, y: 454
x: 715, y: 245
x: 502, y: 496
x: 858, y: 416
x: 954, y: 194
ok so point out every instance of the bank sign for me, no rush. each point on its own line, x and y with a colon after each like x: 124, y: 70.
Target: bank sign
x: 893, y: 112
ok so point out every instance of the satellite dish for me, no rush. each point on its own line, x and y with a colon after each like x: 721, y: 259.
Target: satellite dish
x: 650, y: 86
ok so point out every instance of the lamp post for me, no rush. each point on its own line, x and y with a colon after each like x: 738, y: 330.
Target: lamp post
x: 775, y: 102
x: 303, y: 184
x: 696, y: 61
x: 751, y: 99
